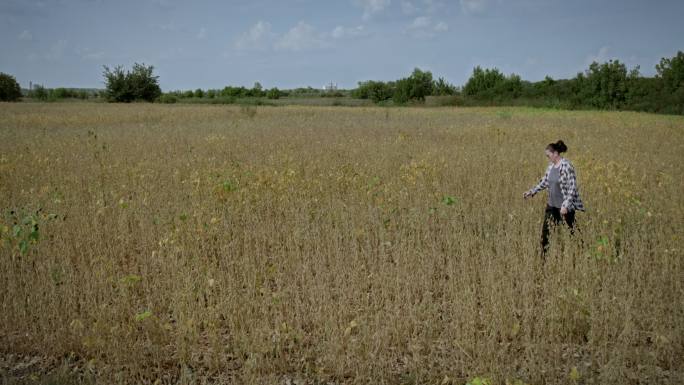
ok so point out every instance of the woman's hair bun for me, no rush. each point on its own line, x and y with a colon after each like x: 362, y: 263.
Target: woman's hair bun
x: 560, y: 146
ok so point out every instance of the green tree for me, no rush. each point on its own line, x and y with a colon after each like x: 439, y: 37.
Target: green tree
x: 441, y: 87
x: 374, y: 90
x: 483, y: 82
x: 415, y: 87
x: 671, y: 71
x: 605, y: 85
x: 10, y: 91
x: 273, y: 93
x: 117, y: 85
x: 128, y: 86
x: 144, y: 84
x: 510, y: 88
x: 39, y: 92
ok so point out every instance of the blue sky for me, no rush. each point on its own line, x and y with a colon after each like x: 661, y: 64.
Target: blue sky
x: 293, y: 43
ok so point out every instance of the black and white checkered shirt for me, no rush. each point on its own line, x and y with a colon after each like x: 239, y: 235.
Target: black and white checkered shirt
x: 568, y: 185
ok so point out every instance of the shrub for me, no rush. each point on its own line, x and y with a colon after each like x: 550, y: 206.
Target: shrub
x: 671, y: 71
x: 10, y: 91
x: 273, y: 93
x: 415, y: 87
x: 39, y: 92
x: 374, y: 90
x: 605, y: 85
x: 483, y: 81
x: 168, y: 98
x: 441, y: 88
x: 61, y: 93
x: 234, y: 92
x: 125, y: 86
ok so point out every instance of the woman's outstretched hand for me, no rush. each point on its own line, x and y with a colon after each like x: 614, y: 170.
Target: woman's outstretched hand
x: 526, y: 195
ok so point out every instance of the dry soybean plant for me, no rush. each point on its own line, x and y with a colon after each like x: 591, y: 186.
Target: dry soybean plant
x: 165, y: 244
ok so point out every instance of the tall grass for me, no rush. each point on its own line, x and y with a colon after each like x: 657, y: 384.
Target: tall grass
x: 334, y: 245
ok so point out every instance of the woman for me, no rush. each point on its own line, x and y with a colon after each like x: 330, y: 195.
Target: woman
x: 563, y: 199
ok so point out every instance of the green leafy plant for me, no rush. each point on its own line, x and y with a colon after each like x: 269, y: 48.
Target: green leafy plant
x: 449, y: 200
x: 9, y: 88
x: 24, y: 230
x: 127, y: 86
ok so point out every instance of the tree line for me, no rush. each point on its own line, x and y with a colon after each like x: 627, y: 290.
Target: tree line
x: 608, y: 85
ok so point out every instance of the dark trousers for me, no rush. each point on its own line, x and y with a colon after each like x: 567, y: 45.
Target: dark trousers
x: 553, y: 217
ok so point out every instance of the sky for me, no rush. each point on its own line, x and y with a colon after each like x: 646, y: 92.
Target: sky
x: 298, y: 43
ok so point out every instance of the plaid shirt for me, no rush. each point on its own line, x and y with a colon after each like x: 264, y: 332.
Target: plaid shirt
x: 568, y: 185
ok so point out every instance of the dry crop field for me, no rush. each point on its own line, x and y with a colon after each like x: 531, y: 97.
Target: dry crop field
x: 329, y: 245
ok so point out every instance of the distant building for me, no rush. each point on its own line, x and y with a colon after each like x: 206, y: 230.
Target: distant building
x: 330, y: 87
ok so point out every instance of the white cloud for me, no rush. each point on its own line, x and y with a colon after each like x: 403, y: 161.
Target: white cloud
x: 57, y: 50
x: 301, y: 37
x: 166, y: 27
x: 88, y: 54
x: 441, y: 27
x: 349, y: 32
x: 408, y: 8
x: 202, y: 34
x: 432, y: 6
x: 601, y: 56
x: 94, y: 55
x: 259, y: 37
x: 420, y: 22
x: 25, y: 36
x: 474, y: 7
x: 372, y: 7
x: 424, y: 27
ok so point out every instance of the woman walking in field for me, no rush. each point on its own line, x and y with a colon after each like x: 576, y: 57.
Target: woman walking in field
x: 563, y: 199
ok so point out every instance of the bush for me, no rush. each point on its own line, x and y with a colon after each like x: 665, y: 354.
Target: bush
x: 373, y: 90
x: 605, y: 85
x: 61, y: 93
x: 441, y: 88
x: 483, y: 81
x: 415, y: 87
x: 168, y: 98
x: 10, y: 91
x: 671, y: 74
x: 273, y: 93
x: 39, y: 92
x: 444, y: 101
x: 125, y: 86
x: 234, y: 92
x: 671, y: 71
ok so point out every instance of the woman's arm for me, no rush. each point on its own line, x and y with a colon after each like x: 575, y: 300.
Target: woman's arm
x: 568, y: 186
x: 543, y: 183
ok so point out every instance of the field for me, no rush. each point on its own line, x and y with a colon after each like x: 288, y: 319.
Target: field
x: 329, y: 245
